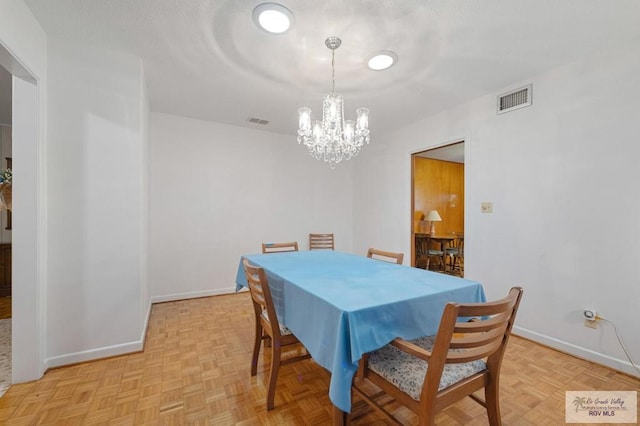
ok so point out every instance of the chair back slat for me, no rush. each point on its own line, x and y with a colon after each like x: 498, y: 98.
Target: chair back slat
x: 321, y: 242
x: 386, y: 256
x: 279, y: 247
x: 474, y: 340
x: 484, y: 309
x: 476, y: 326
x: 475, y: 353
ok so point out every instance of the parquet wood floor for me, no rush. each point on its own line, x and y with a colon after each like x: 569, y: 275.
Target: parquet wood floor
x: 194, y: 370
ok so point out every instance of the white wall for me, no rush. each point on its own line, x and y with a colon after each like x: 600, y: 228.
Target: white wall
x: 551, y: 170
x: 218, y: 191
x: 145, y: 296
x: 23, y: 51
x: 96, y: 193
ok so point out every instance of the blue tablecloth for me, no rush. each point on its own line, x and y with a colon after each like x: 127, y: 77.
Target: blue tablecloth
x: 341, y: 306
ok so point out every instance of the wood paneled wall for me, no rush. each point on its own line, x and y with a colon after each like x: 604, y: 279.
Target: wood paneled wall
x: 439, y: 185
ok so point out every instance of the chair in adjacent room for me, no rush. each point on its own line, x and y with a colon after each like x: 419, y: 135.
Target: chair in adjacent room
x: 430, y: 373
x: 321, y: 242
x: 425, y: 254
x: 386, y: 256
x: 268, y: 326
x: 455, y: 255
x: 279, y: 247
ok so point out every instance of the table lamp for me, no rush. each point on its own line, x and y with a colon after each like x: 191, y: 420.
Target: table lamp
x: 433, y: 217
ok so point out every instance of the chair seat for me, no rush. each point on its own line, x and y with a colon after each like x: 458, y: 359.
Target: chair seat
x: 433, y: 252
x: 407, y: 372
x: 283, y: 330
x: 453, y: 251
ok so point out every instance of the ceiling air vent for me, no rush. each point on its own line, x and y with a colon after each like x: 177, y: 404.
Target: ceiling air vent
x: 257, y: 121
x: 515, y: 99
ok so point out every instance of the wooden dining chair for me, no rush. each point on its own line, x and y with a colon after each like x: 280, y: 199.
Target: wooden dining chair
x: 430, y: 373
x: 268, y: 326
x: 387, y: 256
x: 321, y: 242
x: 279, y: 247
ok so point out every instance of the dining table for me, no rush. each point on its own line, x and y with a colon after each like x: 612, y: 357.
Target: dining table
x: 341, y: 306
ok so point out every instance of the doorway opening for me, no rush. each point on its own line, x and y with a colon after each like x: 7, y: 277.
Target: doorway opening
x: 5, y: 229
x: 437, y: 209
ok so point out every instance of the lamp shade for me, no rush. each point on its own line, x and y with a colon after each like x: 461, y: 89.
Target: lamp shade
x: 433, y: 216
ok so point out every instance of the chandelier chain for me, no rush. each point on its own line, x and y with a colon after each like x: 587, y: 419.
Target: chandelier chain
x: 333, y: 71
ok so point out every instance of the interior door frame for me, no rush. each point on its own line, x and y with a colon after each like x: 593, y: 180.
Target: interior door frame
x: 28, y: 261
x: 434, y: 150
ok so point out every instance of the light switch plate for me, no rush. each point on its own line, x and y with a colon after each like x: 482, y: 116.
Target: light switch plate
x: 486, y: 207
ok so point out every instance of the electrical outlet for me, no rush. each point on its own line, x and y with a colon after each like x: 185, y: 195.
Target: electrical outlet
x: 590, y: 314
x: 591, y: 324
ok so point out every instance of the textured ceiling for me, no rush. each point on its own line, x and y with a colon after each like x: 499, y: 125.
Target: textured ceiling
x: 206, y: 59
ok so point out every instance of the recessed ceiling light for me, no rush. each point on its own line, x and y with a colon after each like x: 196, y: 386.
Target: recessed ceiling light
x: 273, y: 18
x: 382, y: 60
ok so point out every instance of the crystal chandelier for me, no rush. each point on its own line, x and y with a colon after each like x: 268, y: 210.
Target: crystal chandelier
x: 333, y: 139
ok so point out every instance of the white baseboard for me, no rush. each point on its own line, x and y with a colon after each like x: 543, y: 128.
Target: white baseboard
x: 143, y: 333
x: 192, y: 295
x: 580, y: 352
x: 129, y: 347
x: 93, y: 354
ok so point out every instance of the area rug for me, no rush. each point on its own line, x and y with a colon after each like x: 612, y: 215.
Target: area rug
x: 5, y: 355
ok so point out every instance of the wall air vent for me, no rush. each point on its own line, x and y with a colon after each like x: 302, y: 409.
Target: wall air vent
x: 257, y: 121
x: 514, y: 99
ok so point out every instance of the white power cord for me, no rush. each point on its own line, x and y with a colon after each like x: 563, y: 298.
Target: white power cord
x: 624, y: 348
